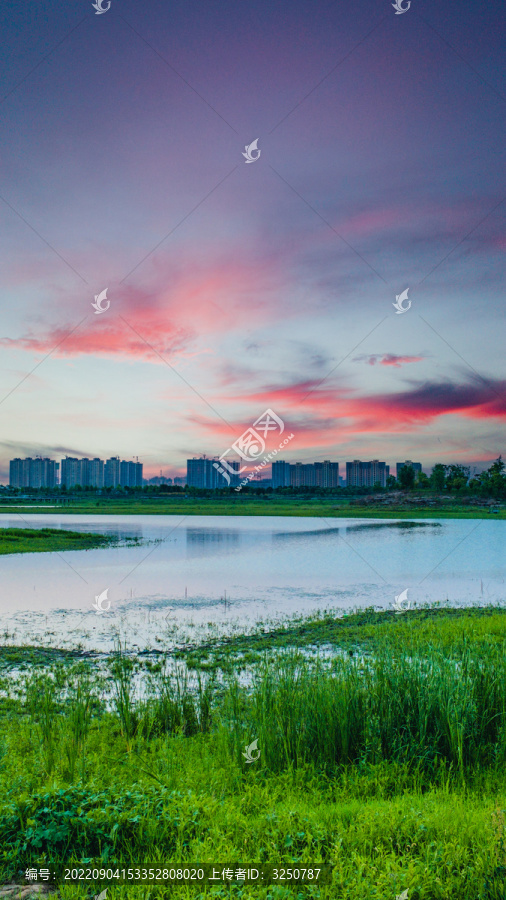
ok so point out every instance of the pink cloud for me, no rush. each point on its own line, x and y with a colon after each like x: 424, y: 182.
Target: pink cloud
x: 116, y: 339
x: 388, y: 359
x: 186, y: 303
x: 479, y: 398
x: 321, y: 416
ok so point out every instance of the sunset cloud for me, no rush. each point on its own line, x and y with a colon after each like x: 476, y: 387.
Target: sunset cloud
x: 419, y: 405
x: 388, y: 359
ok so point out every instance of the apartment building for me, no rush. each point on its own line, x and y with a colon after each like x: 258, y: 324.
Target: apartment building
x: 38, y: 472
x: 319, y: 474
x: 204, y: 472
x: 366, y: 474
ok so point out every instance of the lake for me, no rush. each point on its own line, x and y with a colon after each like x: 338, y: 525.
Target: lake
x: 200, y: 575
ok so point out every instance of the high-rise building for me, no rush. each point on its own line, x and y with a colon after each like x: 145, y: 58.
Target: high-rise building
x: 17, y: 470
x: 96, y: 473
x: 319, y: 474
x: 75, y: 471
x: 179, y: 480
x: 327, y: 474
x: 40, y: 472
x: 379, y: 473
x: 130, y: 473
x: 302, y: 475
x: 112, y: 472
x: 415, y: 465
x: 354, y: 473
x: 44, y: 472
x: 70, y: 471
x: 366, y: 474
x: 202, y: 473
x: 84, y: 472
x: 280, y: 474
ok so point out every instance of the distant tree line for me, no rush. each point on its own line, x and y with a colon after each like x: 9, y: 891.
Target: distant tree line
x: 453, y: 479
x: 119, y: 491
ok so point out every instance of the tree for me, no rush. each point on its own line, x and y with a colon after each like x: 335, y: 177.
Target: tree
x: 475, y: 485
x: 456, y: 477
x: 494, y: 480
x: 497, y: 468
x: 407, y: 478
x: 438, y: 477
x: 392, y: 483
x: 422, y: 480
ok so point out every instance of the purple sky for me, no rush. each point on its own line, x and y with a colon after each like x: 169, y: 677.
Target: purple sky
x: 235, y: 287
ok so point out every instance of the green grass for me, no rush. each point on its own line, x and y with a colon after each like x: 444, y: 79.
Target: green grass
x: 451, y: 629
x: 46, y: 540
x: 269, y: 505
x: 389, y: 763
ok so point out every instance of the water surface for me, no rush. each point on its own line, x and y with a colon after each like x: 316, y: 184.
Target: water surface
x: 219, y: 572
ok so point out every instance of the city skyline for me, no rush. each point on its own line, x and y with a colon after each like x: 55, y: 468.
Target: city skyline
x: 203, y: 471
x: 291, y: 466
x: 233, y: 287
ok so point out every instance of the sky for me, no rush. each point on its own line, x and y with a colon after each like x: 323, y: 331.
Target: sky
x: 237, y: 287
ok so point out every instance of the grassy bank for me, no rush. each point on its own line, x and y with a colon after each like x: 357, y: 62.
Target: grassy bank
x: 385, y: 758
x: 45, y: 540
x: 268, y: 505
x: 367, y: 631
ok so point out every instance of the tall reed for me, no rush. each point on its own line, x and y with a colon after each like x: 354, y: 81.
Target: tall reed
x: 43, y: 702
x: 390, y: 707
x: 178, y: 702
x: 80, y: 702
x: 122, y: 670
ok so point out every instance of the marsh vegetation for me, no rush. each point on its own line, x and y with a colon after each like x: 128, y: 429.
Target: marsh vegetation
x: 385, y: 759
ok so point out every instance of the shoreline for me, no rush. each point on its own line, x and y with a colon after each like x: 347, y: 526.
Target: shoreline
x: 350, y: 629
x: 268, y: 508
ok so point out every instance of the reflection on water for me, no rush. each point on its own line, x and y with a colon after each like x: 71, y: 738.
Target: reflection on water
x: 263, y: 566
x: 397, y: 526
x: 203, y: 541
x: 349, y: 529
